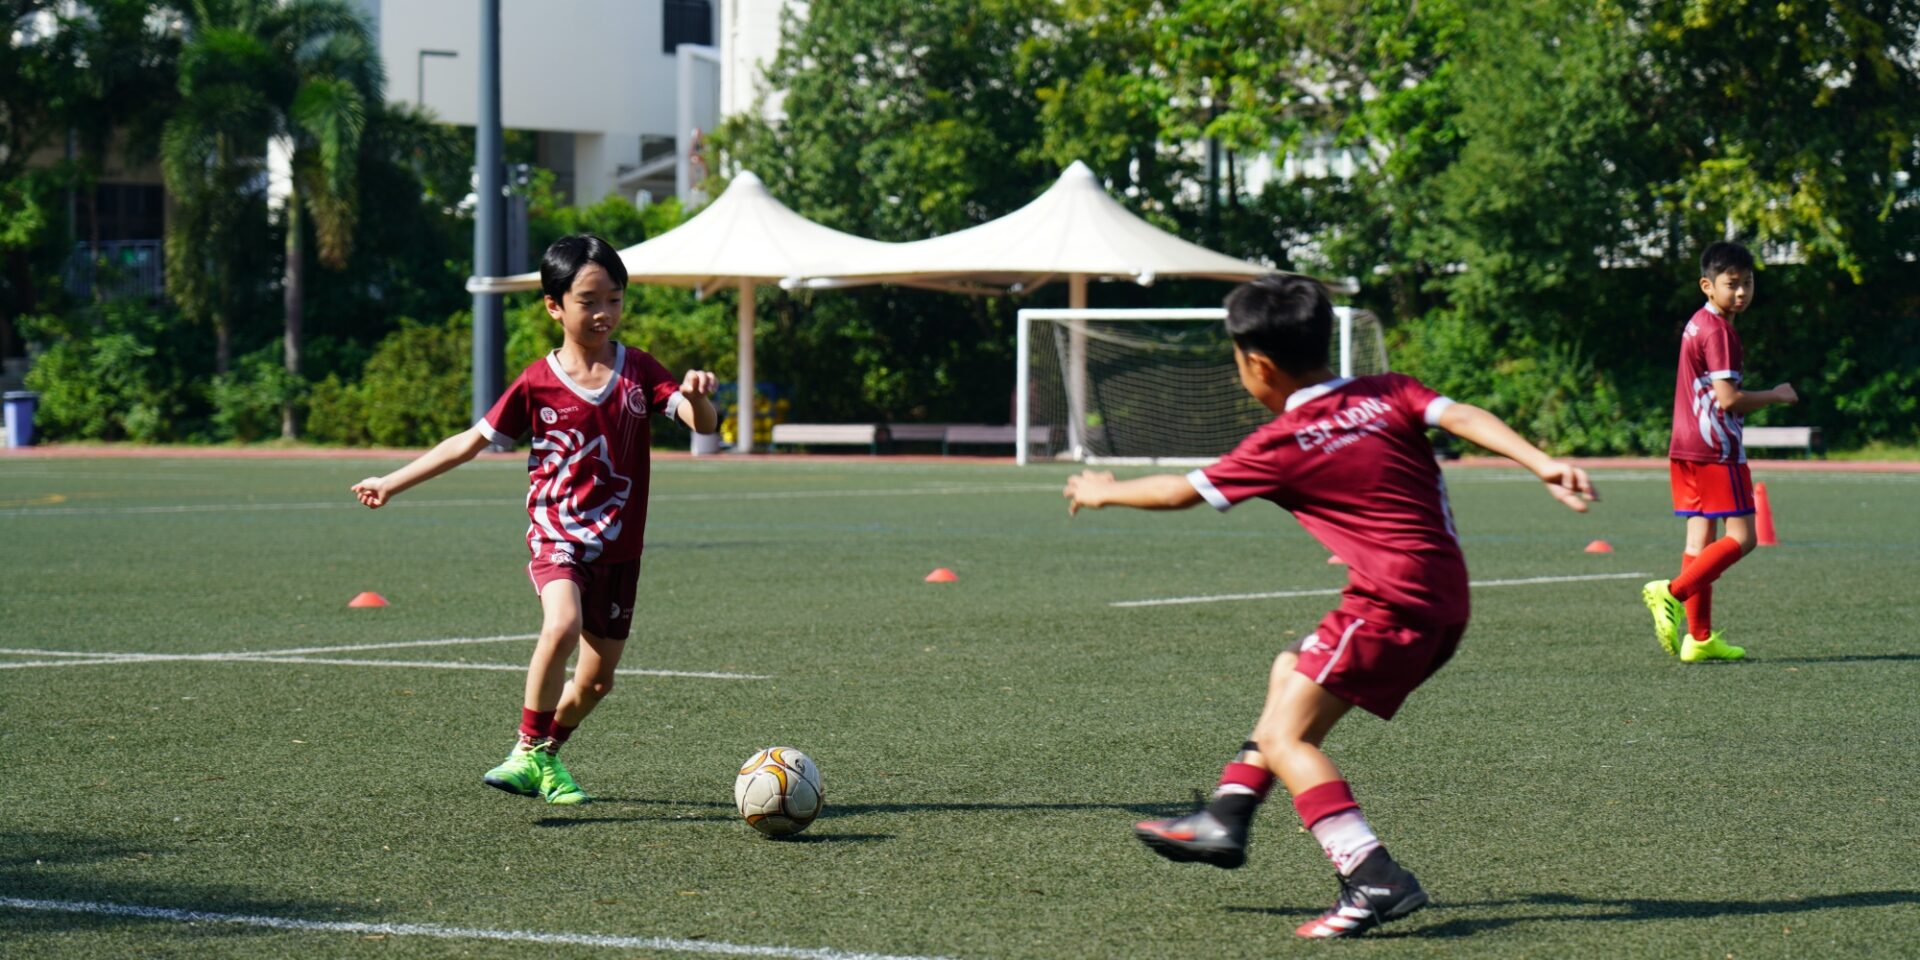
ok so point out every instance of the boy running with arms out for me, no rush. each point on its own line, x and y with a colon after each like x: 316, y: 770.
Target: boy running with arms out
x: 1350, y: 459
x: 586, y: 405
x: 1707, y: 459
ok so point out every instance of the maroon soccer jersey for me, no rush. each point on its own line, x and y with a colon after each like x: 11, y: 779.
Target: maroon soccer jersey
x: 1702, y: 432
x: 589, y: 464
x: 1351, y: 461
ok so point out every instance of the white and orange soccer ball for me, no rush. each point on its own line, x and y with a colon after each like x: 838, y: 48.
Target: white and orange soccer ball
x: 778, y: 791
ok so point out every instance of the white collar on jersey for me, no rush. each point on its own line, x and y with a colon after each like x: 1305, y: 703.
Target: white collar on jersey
x: 1315, y: 392
x: 1714, y: 310
x: 590, y: 396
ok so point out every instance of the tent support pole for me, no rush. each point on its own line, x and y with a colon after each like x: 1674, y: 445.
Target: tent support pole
x: 1077, y: 368
x: 743, y: 435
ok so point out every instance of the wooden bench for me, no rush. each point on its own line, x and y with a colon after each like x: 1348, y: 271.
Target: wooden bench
x: 918, y: 432
x: 870, y: 435
x: 1803, y: 438
x: 977, y: 434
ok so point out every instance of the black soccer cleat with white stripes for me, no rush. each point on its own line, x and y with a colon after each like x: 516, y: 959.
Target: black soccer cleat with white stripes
x: 1378, y: 891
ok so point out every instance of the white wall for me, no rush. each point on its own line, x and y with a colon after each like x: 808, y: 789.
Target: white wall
x: 749, y: 38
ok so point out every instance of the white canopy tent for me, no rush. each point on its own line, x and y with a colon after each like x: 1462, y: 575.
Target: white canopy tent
x: 743, y: 238
x: 1074, y: 230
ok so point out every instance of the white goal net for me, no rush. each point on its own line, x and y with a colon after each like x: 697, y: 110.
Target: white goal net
x: 1149, y: 386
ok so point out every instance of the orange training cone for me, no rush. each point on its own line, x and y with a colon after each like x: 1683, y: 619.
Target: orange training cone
x: 942, y: 575
x: 1763, y: 516
x: 1599, y: 546
x: 1335, y: 560
x: 368, y: 599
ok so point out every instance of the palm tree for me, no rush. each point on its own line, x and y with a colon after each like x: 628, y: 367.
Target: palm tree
x: 302, y: 73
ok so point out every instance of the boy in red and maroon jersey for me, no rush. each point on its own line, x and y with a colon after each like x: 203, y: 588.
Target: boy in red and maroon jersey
x: 1350, y: 459
x: 1707, y: 460
x: 586, y: 406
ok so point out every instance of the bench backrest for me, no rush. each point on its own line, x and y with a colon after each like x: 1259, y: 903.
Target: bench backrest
x: 1780, y: 436
x: 827, y: 432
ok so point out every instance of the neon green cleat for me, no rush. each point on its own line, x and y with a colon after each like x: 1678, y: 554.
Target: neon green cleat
x: 1712, y: 648
x: 520, y: 773
x: 1667, y: 614
x: 556, y: 784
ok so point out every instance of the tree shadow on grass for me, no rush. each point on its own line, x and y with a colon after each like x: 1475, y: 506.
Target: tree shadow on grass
x: 1845, y: 658
x: 674, y: 811
x: 73, y: 883
x: 1510, y: 912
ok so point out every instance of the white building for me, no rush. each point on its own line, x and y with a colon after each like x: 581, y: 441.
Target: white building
x: 614, y: 88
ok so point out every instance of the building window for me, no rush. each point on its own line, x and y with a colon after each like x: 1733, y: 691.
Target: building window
x: 687, y: 21
x: 122, y: 211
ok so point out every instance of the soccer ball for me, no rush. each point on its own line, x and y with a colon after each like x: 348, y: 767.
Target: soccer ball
x: 778, y: 791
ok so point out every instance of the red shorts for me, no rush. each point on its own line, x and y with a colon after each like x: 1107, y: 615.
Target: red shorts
x: 1711, y: 489
x: 606, y: 592
x: 1374, y: 666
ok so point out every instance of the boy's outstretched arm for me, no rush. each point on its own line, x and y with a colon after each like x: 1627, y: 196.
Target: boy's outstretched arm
x: 696, y: 388
x: 1729, y: 397
x: 449, y: 453
x: 1096, y: 489
x: 1567, y: 483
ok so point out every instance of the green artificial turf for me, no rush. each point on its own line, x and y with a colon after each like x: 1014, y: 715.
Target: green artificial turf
x: 1563, y: 788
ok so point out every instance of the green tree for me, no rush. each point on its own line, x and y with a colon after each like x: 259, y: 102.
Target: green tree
x: 903, y: 119
x: 303, y: 72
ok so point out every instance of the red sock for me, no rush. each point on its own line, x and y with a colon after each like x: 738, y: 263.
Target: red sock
x: 1705, y: 569
x: 1245, y: 778
x: 1700, y: 605
x: 535, y: 724
x: 1318, y: 803
x: 561, y: 732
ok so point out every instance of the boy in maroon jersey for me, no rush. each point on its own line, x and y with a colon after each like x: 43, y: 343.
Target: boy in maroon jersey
x: 586, y: 405
x: 1350, y: 459
x: 1707, y: 460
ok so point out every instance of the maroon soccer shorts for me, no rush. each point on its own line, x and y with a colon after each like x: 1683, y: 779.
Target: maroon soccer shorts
x: 606, y: 592
x: 1711, y: 489
x: 1374, y: 666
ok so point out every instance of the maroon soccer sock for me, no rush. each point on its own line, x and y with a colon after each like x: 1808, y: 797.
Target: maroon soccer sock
x: 1706, y: 568
x: 535, y: 724
x: 561, y: 732
x: 1700, y: 605
x: 1334, y: 818
x: 1243, y: 787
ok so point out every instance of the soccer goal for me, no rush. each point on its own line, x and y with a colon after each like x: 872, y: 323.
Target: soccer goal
x: 1148, y: 386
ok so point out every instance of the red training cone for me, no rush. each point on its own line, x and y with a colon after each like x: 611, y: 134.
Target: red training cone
x: 1599, y: 546
x: 1335, y: 560
x: 1763, y: 516
x: 368, y: 599
x: 942, y: 575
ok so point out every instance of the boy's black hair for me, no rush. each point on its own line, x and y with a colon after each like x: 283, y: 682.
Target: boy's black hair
x: 1722, y: 256
x: 1286, y: 317
x: 564, y: 260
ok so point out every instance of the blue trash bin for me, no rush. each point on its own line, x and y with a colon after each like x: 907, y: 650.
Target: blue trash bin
x: 20, y: 407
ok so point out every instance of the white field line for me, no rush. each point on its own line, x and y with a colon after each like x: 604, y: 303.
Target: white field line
x: 449, y: 642
x: 439, y: 932
x: 1284, y: 594
x: 350, y: 504
x: 301, y: 655
x: 444, y: 665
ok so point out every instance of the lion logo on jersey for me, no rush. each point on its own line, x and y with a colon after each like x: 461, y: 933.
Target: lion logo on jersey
x: 578, y: 495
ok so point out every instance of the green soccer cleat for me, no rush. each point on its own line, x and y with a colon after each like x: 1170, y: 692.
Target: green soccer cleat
x: 521, y: 773
x: 556, y: 784
x: 1667, y: 612
x: 1712, y: 648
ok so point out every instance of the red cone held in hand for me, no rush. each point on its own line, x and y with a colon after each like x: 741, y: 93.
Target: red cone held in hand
x: 368, y: 599
x: 1763, y: 517
x: 942, y: 575
x: 1599, y: 546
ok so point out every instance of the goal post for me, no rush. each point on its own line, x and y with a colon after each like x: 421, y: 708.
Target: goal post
x: 1153, y: 386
